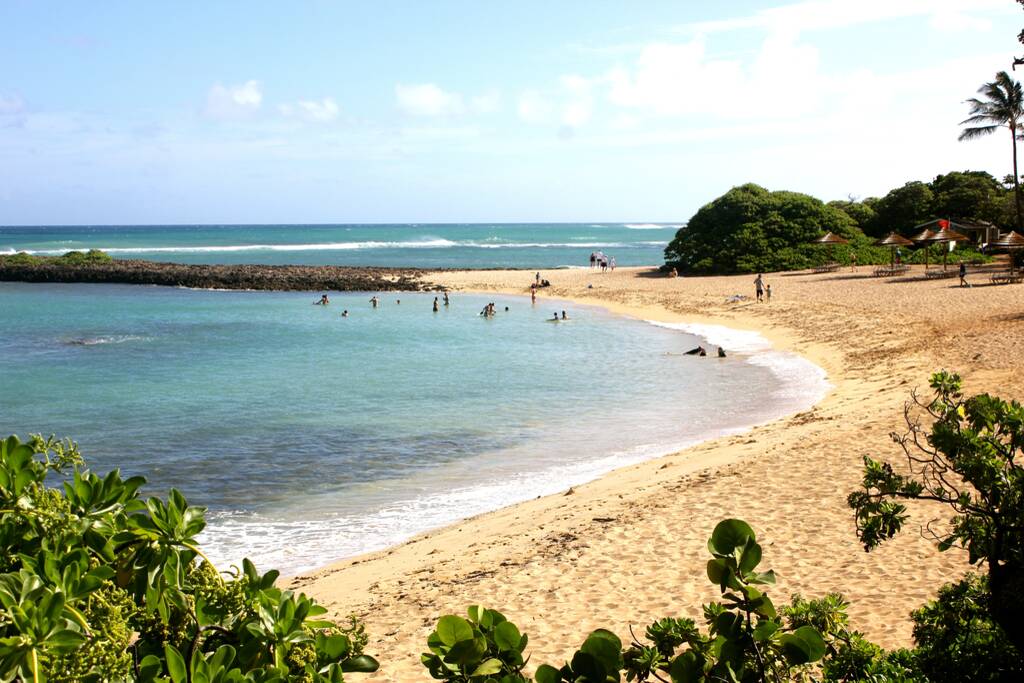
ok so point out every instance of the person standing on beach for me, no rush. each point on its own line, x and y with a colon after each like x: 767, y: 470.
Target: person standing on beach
x: 899, y: 256
x: 537, y: 278
x: 963, y: 274
x: 853, y: 261
x: 759, y: 287
x: 768, y: 292
x: 611, y: 263
x: 593, y: 259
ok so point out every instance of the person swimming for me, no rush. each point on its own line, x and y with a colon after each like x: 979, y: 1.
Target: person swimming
x: 564, y: 316
x: 344, y: 314
x: 374, y: 300
x: 721, y: 352
x: 446, y: 302
x: 555, y: 316
x: 323, y: 301
x: 698, y: 351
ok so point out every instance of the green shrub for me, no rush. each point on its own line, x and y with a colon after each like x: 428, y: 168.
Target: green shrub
x: 101, y: 585
x: 22, y: 258
x: 957, y: 640
x: 92, y: 256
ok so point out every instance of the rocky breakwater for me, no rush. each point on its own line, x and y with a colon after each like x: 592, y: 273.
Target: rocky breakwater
x: 139, y: 272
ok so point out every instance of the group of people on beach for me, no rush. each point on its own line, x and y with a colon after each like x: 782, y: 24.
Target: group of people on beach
x: 598, y: 259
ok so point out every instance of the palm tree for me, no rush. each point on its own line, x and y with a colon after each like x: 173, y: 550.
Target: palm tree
x: 1003, y: 105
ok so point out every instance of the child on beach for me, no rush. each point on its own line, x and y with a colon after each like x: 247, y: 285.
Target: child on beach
x: 768, y: 292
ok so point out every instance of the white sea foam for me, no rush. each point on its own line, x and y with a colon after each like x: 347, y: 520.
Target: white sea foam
x: 802, y: 383
x: 346, y: 246
x: 650, y: 226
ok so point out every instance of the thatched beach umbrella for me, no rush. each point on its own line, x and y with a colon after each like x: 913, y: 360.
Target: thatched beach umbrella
x: 1011, y: 242
x: 922, y: 238
x: 830, y: 239
x: 894, y: 242
x: 947, y: 235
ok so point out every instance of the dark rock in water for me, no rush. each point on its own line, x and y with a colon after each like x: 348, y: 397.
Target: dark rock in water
x: 263, y: 277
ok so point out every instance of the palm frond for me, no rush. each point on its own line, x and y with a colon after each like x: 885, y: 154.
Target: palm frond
x: 977, y: 132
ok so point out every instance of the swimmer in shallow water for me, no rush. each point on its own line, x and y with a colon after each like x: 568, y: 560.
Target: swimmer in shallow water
x: 344, y: 314
x: 323, y: 301
x: 446, y: 302
x: 374, y: 300
x: 721, y: 352
x: 564, y: 316
x: 436, y: 307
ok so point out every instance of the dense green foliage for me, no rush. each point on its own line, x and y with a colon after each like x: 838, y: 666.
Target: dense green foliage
x: 970, y: 461
x: 750, y: 229
x: 98, y: 584
x: 958, y: 641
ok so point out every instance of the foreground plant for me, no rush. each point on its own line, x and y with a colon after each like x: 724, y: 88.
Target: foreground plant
x: 969, y: 461
x: 101, y: 585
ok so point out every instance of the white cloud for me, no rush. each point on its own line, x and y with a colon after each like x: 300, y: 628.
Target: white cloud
x: 318, y: 111
x: 427, y: 99
x: 234, y: 101
x: 533, y: 107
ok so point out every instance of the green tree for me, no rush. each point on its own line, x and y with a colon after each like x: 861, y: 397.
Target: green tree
x: 749, y: 229
x: 861, y: 213
x: 970, y: 461
x: 1002, y: 106
x: 902, y: 208
x: 968, y: 195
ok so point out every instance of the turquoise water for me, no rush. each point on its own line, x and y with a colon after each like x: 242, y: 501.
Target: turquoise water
x: 426, y: 246
x: 313, y: 437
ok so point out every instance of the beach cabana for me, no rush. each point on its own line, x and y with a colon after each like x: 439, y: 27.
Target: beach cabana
x: 831, y: 240
x: 1012, y: 242
x: 894, y: 241
x: 947, y: 235
x: 922, y: 239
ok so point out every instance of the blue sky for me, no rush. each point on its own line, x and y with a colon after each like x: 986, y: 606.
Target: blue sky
x: 259, y: 112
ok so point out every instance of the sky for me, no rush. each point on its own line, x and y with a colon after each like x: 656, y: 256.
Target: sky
x: 344, y: 112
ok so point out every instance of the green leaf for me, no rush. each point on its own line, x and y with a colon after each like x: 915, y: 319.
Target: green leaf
x: 488, y: 667
x: 548, y: 674
x: 728, y: 535
x: 685, y: 669
x: 452, y: 629
x: 363, y: 664
x: 507, y: 636
x: 175, y: 664
x: 802, y: 646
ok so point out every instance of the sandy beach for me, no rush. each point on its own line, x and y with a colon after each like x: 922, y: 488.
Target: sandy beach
x: 630, y: 547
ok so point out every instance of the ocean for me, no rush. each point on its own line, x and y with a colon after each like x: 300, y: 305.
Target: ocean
x: 531, y: 245
x: 311, y: 436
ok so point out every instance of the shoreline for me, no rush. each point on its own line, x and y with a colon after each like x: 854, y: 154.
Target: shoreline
x: 629, y: 547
